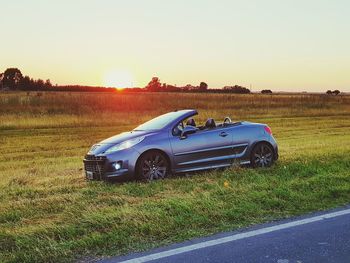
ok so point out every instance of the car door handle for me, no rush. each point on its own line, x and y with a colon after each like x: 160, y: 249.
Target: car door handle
x: 223, y: 134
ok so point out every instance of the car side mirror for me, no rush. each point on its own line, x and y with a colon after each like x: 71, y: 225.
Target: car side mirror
x: 188, y: 130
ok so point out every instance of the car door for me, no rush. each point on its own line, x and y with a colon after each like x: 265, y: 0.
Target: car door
x: 241, y: 138
x: 202, y: 149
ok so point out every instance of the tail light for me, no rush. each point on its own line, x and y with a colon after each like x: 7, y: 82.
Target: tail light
x: 268, y: 129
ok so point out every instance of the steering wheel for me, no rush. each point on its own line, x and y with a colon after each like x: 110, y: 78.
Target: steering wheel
x: 227, y: 120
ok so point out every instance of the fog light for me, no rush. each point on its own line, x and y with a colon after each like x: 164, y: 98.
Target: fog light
x: 117, y: 165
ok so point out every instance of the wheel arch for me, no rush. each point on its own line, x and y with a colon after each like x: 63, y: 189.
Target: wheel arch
x: 152, y: 150
x: 262, y: 141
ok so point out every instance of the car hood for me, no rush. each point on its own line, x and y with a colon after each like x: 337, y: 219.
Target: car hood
x: 102, y: 146
x: 124, y: 136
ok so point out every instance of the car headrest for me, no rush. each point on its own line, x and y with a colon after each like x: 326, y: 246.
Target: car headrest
x: 210, y: 123
x: 191, y: 122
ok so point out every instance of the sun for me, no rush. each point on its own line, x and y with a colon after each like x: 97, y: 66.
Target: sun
x: 118, y: 79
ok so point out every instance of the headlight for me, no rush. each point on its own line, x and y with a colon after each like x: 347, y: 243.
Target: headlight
x: 125, y: 145
x: 93, y: 147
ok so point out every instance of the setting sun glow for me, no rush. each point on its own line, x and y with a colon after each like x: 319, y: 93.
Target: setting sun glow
x: 118, y: 79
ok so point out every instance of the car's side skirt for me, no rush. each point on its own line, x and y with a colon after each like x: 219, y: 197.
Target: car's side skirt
x: 208, y: 167
x: 212, y: 159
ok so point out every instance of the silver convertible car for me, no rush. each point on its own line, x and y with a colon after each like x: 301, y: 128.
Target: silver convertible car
x: 174, y: 143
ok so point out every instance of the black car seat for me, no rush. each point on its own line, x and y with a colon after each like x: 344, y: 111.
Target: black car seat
x: 210, y: 124
x: 191, y: 122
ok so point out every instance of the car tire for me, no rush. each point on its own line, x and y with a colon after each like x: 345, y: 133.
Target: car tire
x: 262, y: 155
x: 152, y: 165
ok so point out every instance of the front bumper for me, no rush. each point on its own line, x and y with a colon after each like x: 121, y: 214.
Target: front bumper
x: 100, y: 167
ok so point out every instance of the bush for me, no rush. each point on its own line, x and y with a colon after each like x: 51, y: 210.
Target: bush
x: 266, y: 91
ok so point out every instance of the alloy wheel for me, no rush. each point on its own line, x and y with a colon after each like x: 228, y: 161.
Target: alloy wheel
x: 154, y: 166
x: 262, y: 156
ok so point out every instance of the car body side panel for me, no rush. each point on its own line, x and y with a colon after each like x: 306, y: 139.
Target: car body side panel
x: 202, y: 148
x: 250, y: 134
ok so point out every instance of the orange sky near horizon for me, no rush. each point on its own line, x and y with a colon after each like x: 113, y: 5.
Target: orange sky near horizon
x: 290, y: 45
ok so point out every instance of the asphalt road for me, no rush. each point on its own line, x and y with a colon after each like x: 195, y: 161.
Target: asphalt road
x: 320, y: 237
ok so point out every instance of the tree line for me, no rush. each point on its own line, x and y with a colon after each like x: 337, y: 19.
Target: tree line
x: 13, y: 79
x: 155, y: 85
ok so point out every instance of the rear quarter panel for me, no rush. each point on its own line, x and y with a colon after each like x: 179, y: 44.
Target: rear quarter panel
x: 249, y: 134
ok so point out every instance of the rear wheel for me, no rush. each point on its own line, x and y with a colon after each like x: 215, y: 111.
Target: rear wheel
x: 152, y: 165
x: 262, y: 155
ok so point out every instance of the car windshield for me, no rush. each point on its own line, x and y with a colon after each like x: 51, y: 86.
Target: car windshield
x: 159, y: 122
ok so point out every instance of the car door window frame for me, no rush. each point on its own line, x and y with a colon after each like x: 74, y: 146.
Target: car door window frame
x: 176, y: 126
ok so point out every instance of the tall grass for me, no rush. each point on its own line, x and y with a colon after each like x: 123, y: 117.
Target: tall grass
x: 95, y: 103
x: 61, y: 108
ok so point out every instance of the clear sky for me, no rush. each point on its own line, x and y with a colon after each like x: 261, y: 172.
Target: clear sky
x: 287, y: 45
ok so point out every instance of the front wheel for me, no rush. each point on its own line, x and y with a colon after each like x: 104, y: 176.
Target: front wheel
x: 152, y: 166
x: 262, y: 155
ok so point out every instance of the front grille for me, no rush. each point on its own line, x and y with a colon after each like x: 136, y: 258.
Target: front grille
x: 96, y: 165
x: 90, y: 157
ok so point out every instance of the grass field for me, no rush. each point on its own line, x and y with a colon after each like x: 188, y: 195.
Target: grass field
x: 49, y: 213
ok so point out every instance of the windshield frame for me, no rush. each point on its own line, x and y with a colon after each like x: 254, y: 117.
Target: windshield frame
x: 170, y: 119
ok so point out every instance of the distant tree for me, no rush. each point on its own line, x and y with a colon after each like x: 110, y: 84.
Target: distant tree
x: 336, y: 92
x: 172, y: 88
x: 48, y: 84
x: 11, y: 78
x: 203, y: 86
x: 266, y: 91
x: 189, y: 87
x: 236, y: 89
x: 25, y: 83
x: 39, y: 84
x: 154, y: 85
